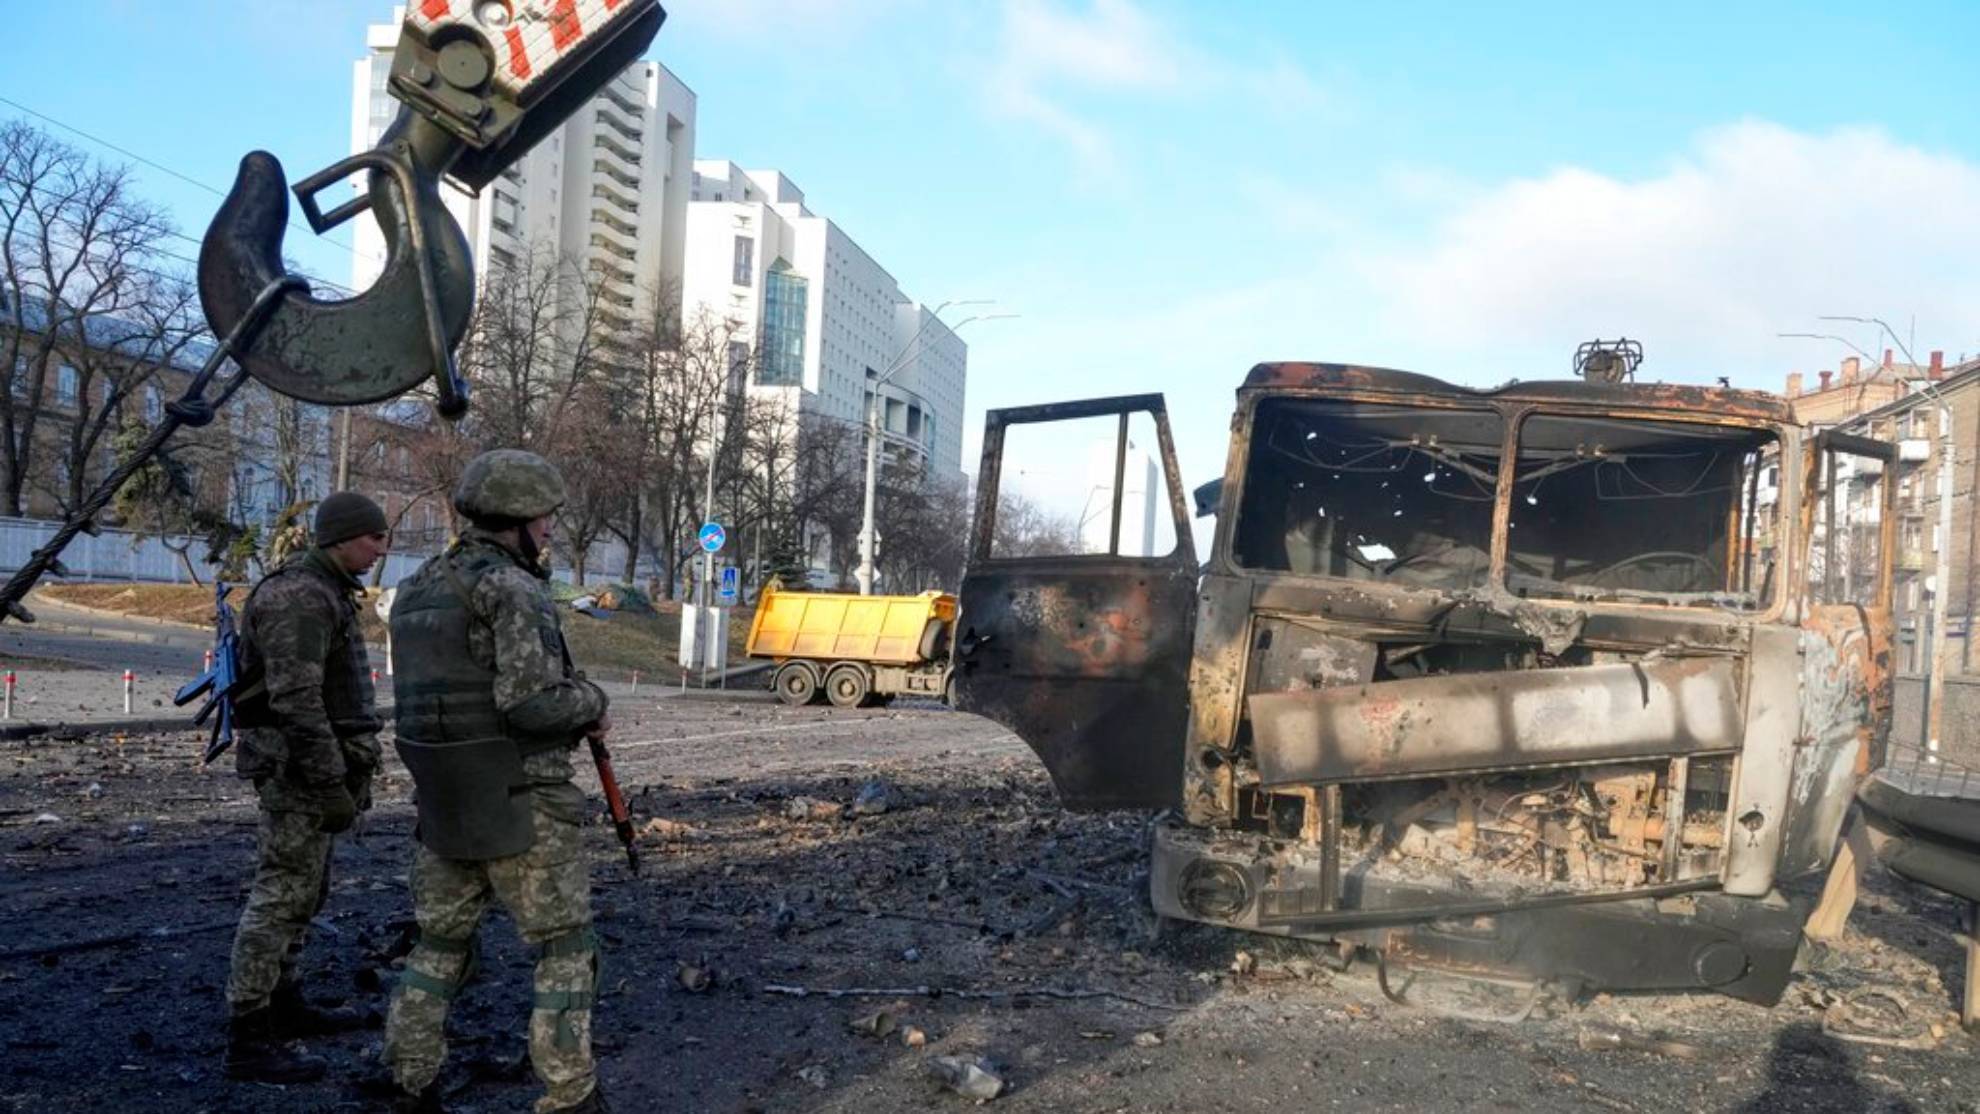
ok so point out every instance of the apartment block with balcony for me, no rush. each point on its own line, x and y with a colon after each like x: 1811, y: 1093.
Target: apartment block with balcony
x: 608, y: 189
x: 827, y: 325
x: 1913, y: 420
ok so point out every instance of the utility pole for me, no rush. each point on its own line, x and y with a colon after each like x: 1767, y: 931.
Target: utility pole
x: 344, y: 450
x: 873, y: 430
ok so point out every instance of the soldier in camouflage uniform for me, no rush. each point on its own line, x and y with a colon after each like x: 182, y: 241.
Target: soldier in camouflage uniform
x: 489, y: 711
x: 309, y: 742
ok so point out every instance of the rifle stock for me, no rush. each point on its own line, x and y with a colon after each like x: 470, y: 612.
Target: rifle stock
x: 616, y: 802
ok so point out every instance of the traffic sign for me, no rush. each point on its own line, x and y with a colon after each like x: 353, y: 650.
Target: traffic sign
x: 731, y: 581
x: 713, y: 537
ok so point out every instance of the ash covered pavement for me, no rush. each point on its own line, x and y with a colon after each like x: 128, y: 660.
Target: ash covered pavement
x: 916, y: 856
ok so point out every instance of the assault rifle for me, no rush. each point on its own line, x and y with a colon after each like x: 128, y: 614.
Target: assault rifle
x: 223, y: 682
x: 616, y: 802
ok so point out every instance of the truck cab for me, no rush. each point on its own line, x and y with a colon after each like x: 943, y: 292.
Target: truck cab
x: 1569, y: 681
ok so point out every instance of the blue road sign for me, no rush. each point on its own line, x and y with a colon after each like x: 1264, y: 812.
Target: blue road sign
x: 731, y: 580
x: 712, y: 537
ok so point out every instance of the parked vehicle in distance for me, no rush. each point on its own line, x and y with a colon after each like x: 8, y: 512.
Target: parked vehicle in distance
x: 853, y: 650
x: 1564, y: 681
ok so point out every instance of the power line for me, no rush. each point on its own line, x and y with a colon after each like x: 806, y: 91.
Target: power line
x: 162, y: 168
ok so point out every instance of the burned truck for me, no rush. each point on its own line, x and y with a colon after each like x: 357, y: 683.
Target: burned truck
x: 1571, y: 682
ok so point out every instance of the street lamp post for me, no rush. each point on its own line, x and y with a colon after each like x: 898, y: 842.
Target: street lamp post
x: 865, y: 574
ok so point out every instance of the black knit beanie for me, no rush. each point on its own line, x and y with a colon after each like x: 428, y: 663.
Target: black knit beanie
x: 347, y: 515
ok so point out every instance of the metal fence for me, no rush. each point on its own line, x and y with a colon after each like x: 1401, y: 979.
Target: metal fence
x: 121, y: 556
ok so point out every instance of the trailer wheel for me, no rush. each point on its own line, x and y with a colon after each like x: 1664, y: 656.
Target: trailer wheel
x: 847, y: 685
x: 797, y: 683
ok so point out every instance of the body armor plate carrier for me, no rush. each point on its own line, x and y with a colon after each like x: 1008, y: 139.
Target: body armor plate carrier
x: 474, y: 798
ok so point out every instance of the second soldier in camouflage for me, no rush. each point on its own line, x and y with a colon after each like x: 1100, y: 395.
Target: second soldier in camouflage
x: 309, y: 743
x: 489, y: 710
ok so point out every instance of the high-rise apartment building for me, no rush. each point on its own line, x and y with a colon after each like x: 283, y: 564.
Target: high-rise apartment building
x: 827, y: 324
x: 609, y: 188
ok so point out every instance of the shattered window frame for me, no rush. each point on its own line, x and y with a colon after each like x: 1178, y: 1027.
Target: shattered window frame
x: 1770, y: 525
x: 1375, y: 562
x: 1754, y: 586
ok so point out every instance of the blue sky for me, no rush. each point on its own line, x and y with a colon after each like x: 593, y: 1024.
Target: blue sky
x: 1167, y: 193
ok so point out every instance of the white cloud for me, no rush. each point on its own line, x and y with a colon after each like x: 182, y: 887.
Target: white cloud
x: 1755, y: 231
x: 1053, y: 55
x: 1115, y: 45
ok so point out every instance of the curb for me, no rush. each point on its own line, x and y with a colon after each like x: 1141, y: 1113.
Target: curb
x: 152, y: 725
x: 105, y: 613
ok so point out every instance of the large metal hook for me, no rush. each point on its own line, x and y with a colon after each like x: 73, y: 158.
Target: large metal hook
x: 382, y: 342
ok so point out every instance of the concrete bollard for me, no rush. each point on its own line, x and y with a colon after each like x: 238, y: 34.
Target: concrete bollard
x: 130, y: 690
x: 207, y: 664
x: 635, y: 687
x: 7, y: 702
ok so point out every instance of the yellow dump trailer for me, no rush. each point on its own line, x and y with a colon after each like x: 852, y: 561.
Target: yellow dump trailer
x: 854, y: 650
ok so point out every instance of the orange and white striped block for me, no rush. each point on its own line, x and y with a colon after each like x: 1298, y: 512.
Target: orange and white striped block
x: 528, y: 37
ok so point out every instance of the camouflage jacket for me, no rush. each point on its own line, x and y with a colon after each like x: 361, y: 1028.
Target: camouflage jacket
x: 537, y: 690
x: 316, y: 715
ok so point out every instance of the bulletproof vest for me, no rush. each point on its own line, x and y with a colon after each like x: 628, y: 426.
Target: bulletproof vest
x: 473, y: 796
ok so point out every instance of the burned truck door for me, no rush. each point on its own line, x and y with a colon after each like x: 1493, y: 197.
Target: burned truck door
x: 1075, y: 624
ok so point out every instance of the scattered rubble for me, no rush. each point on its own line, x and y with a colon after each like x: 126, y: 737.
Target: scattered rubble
x: 865, y: 945
x: 1594, y: 1038
x: 807, y: 808
x: 662, y: 830
x: 695, y: 978
x: 875, y: 797
x: 969, y: 1076
x: 879, y: 1023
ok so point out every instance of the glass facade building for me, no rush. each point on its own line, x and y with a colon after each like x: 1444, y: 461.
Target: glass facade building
x: 780, y: 361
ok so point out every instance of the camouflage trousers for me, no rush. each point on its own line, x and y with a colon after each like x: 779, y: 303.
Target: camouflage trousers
x: 547, y: 890
x: 291, y: 880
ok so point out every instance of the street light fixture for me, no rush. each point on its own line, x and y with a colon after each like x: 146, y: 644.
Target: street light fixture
x: 900, y: 361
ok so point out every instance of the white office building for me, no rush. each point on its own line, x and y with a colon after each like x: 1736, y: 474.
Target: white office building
x: 826, y: 322
x: 609, y: 188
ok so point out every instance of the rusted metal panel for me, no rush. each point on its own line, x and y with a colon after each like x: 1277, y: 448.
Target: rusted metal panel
x: 1216, y: 675
x: 1841, y: 679
x: 1697, y: 403
x: 1086, y: 657
x: 1088, y: 664
x: 1292, y: 655
x: 1757, y: 818
x: 1488, y: 721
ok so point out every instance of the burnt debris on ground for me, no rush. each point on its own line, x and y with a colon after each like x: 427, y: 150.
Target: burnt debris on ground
x: 861, y: 911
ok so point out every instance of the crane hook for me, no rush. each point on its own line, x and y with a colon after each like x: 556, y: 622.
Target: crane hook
x: 383, y: 341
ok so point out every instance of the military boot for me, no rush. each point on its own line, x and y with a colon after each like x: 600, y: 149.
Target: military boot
x: 593, y: 1103
x: 292, y: 1015
x: 256, y: 1054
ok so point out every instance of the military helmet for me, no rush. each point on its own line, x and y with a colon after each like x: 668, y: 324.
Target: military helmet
x: 509, y: 484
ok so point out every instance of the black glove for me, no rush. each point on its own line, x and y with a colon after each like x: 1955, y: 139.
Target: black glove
x: 339, y: 808
x: 361, y: 756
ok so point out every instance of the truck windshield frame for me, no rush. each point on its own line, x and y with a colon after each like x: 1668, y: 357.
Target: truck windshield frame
x: 1642, y: 510
x: 1638, y: 509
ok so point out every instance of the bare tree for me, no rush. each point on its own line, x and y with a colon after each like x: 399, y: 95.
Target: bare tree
x: 532, y: 346
x: 698, y: 403
x: 116, y: 368
x: 1025, y: 529
x: 75, y: 248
